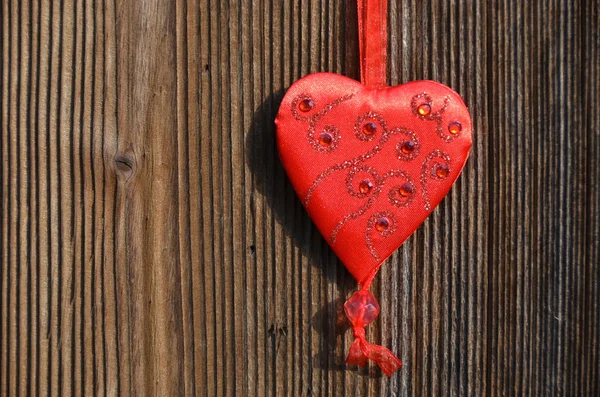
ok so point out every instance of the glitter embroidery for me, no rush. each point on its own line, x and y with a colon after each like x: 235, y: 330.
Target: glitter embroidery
x: 424, y: 99
x: 407, y: 150
x: 368, y: 127
x: 296, y: 104
x: 355, y: 161
x: 398, y: 199
x: 354, y: 215
x: 385, y: 233
x: 367, y: 131
x: 350, y: 180
x: 327, y: 140
x: 429, y: 171
x: 380, y: 183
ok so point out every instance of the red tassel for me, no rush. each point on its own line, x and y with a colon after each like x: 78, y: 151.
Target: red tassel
x: 362, y: 308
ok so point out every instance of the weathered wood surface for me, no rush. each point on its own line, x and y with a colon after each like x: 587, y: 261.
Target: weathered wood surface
x: 152, y: 245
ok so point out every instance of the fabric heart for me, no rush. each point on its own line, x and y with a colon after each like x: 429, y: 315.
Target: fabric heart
x: 370, y: 164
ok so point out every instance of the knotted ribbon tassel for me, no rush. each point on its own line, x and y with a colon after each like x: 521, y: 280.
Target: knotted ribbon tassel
x: 361, y: 309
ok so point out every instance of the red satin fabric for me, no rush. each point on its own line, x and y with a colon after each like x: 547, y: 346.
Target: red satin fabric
x: 331, y: 202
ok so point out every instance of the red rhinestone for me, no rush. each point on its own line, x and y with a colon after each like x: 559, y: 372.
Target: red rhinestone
x: 406, y: 190
x: 442, y: 171
x: 306, y: 105
x: 382, y: 224
x: 408, y: 147
x: 362, y: 308
x: 325, y: 139
x: 369, y: 128
x: 424, y: 109
x: 365, y: 186
x: 454, y: 128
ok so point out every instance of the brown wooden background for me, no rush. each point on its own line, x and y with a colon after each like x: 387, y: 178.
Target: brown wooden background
x: 152, y: 245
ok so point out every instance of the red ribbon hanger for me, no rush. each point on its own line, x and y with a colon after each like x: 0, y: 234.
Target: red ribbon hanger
x: 362, y: 307
x: 372, y: 41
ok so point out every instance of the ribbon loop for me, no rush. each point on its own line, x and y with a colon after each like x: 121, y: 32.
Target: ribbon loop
x: 372, y: 41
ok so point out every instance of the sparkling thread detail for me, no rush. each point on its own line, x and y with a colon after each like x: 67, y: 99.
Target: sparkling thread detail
x: 365, y: 127
x: 380, y: 184
x: 407, y: 150
x: 402, y: 195
x: 296, y: 107
x: 314, y: 119
x: 428, y: 171
x: 385, y: 233
x: 326, y: 141
x: 350, y: 180
x: 422, y: 107
x: 355, y: 161
x: 368, y: 127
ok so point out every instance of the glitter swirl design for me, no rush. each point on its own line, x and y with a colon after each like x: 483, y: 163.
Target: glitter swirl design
x: 425, y: 99
x: 371, y: 127
x: 368, y: 117
x: 350, y: 179
x: 385, y: 233
x: 412, y: 137
x: 380, y: 184
x: 295, y: 108
x: 332, y: 131
x: 428, y: 171
x: 313, y: 117
x: 397, y: 200
x: 353, y: 162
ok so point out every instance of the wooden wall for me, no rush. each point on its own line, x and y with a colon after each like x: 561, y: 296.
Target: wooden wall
x: 151, y: 243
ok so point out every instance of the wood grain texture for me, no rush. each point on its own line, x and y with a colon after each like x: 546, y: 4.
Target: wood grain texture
x: 151, y: 243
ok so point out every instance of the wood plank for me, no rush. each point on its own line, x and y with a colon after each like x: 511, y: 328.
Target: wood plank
x: 151, y: 242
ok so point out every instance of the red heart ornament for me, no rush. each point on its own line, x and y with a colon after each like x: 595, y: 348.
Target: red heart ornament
x: 370, y: 164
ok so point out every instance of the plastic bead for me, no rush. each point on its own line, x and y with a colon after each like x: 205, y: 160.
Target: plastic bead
x: 362, y: 308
